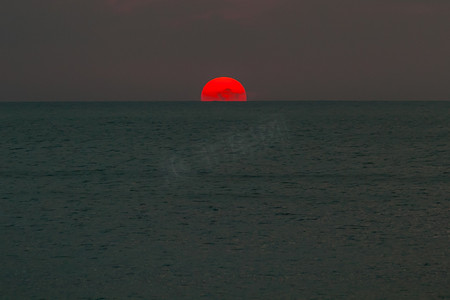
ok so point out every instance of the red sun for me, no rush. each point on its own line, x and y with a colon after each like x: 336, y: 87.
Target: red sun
x: 224, y: 89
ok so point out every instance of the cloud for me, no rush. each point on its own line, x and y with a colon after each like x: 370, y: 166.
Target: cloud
x: 127, y: 6
x: 411, y: 8
x: 198, y: 9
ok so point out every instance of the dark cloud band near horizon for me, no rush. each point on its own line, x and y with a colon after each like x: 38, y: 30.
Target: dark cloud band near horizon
x: 109, y: 50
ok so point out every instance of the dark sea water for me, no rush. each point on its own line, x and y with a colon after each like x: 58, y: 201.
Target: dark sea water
x: 256, y: 200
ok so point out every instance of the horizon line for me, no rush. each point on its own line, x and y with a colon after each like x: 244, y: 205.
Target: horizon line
x: 199, y: 101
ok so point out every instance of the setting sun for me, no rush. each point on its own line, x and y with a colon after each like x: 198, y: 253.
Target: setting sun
x: 224, y: 89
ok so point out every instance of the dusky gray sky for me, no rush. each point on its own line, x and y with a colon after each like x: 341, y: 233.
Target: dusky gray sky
x: 100, y: 50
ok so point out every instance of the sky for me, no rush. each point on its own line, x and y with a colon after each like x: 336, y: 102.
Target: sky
x: 158, y: 50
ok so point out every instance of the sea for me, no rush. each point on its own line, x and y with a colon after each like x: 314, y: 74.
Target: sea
x: 248, y: 200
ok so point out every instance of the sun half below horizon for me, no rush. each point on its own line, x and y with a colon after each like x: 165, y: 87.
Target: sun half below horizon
x: 223, y: 89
